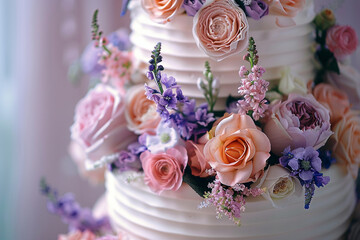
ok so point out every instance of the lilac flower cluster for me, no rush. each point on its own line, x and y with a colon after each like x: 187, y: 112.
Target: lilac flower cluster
x: 253, y: 87
x: 171, y: 103
x: 71, y: 213
x: 229, y: 201
x: 129, y: 160
x: 305, y: 164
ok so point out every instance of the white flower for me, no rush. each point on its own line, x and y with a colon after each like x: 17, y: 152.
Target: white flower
x: 281, y: 188
x: 166, y: 137
x: 290, y: 83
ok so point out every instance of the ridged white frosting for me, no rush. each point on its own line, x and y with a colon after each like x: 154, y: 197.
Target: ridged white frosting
x: 175, y: 215
x: 277, y: 47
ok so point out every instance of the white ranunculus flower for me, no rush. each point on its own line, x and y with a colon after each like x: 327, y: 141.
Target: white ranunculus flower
x: 281, y: 188
x: 348, y: 81
x: 290, y: 83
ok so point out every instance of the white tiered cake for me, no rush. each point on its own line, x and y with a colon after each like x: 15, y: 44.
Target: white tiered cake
x: 175, y: 214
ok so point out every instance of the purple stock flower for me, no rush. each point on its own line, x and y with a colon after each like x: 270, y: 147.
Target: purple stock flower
x: 150, y: 93
x: 257, y: 9
x: 169, y: 82
x: 137, y: 148
x: 168, y: 99
x: 203, y: 117
x: 127, y: 161
x: 192, y: 6
x: 180, y: 96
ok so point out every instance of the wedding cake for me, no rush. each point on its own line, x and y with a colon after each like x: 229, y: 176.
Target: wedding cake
x: 241, y: 131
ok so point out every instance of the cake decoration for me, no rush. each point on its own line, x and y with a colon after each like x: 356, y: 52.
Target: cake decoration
x: 272, y: 142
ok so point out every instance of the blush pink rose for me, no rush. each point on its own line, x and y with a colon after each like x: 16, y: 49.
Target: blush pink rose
x: 78, y: 235
x: 335, y: 100
x: 220, y: 29
x: 162, y: 11
x: 348, y: 81
x: 341, y: 40
x: 300, y: 121
x: 197, y: 161
x: 140, y: 112
x: 77, y: 153
x: 99, y: 123
x: 238, y: 151
x: 164, y: 171
x: 285, y: 10
x: 346, y: 142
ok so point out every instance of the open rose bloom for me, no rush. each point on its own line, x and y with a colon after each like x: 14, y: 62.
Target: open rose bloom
x: 162, y: 11
x: 220, y: 29
x: 99, y: 124
x: 238, y: 151
x: 300, y: 121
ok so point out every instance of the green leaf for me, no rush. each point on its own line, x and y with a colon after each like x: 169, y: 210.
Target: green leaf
x: 200, y: 185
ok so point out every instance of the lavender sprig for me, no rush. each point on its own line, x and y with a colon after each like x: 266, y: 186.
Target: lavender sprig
x: 71, y: 213
x: 155, y: 70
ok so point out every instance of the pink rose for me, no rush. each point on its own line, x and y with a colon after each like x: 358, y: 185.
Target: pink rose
x: 238, y: 151
x: 77, y: 153
x: 300, y: 121
x: 341, y: 40
x: 78, y: 235
x: 348, y: 81
x: 285, y: 10
x: 140, y: 112
x: 164, y: 171
x: 197, y: 161
x: 162, y: 11
x: 99, y: 123
x: 346, y: 142
x: 220, y: 29
x: 335, y: 100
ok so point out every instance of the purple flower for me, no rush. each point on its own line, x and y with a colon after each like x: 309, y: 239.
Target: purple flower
x: 305, y: 164
x: 89, y: 60
x: 169, y: 82
x: 137, y: 148
x: 164, y: 113
x: 150, y: 93
x: 168, y: 99
x: 326, y: 158
x: 120, y: 39
x: 127, y: 161
x: 180, y: 96
x: 257, y: 9
x: 192, y: 6
x: 202, y: 116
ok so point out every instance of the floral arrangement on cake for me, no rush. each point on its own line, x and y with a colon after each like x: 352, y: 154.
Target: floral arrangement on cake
x: 269, y: 143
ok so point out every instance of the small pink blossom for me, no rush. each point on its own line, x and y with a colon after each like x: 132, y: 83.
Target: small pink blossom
x: 118, y: 67
x: 341, y: 40
x: 164, y: 171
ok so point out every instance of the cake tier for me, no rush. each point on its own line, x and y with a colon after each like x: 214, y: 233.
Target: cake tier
x: 277, y: 47
x: 175, y: 215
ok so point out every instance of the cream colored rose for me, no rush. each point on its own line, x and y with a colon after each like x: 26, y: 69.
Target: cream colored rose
x: 238, y: 151
x: 281, y: 188
x: 140, y: 112
x: 290, y: 83
x: 162, y: 11
x: 220, y: 29
x: 346, y: 142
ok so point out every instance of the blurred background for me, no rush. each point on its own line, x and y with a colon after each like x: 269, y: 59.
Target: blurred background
x: 39, y: 40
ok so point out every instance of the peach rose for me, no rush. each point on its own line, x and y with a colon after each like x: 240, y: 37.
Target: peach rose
x: 78, y: 235
x: 341, y: 40
x: 164, y: 171
x: 220, y: 29
x: 162, y: 11
x: 238, y: 151
x: 333, y: 99
x: 99, y: 123
x: 197, y: 161
x: 346, y: 142
x: 140, y: 112
x: 285, y: 10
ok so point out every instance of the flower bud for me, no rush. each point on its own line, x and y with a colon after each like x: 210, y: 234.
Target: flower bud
x: 325, y: 19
